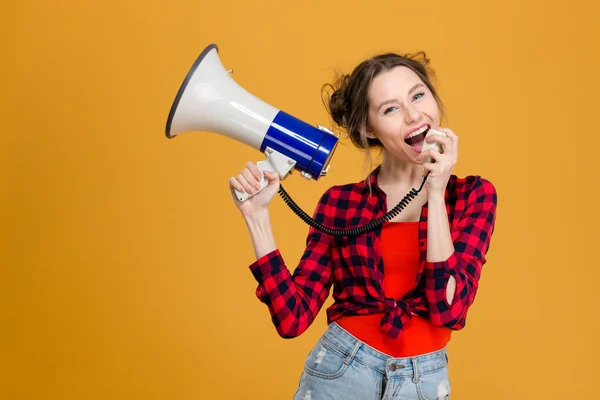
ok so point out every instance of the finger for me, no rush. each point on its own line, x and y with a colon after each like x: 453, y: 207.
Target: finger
x: 454, y: 140
x: 251, y: 179
x: 271, y: 176
x: 437, y: 138
x: 248, y: 187
x: 234, y: 184
x: 428, y: 167
x: 255, y: 171
x: 433, y: 153
x: 436, y: 157
x: 443, y: 140
x: 451, y: 147
x: 449, y: 132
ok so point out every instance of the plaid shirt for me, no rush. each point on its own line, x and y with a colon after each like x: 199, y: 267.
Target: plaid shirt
x: 354, y: 265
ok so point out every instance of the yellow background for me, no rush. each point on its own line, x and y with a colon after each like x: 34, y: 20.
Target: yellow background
x: 124, y: 262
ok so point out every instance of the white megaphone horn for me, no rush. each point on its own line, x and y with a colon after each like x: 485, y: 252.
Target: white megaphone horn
x: 210, y: 100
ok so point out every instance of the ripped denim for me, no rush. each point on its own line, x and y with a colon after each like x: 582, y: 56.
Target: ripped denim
x: 341, y: 367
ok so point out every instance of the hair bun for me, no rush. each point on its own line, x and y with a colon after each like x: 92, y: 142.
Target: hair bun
x: 337, y: 105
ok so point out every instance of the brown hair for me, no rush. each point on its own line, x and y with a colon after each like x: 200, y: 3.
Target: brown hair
x: 348, y: 103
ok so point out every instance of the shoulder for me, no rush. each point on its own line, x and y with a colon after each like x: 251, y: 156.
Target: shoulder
x: 471, y: 184
x: 342, y: 193
x: 472, y: 189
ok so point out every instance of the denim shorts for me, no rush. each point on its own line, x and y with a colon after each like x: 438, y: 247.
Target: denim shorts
x: 341, y: 367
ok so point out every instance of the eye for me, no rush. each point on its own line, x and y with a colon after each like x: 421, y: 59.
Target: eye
x: 418, y: 96
x: 390, y: 109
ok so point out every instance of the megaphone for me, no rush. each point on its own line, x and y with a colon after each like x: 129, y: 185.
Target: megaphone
x: 210, y: 100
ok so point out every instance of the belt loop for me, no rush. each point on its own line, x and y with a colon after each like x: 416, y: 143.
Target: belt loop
x: 415, y: 369
x: 353, y: 353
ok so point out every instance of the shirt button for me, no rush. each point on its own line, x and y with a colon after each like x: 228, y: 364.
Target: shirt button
x: 422, y: 243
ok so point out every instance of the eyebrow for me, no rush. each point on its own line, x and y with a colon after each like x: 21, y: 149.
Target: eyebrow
x: 412, y: 89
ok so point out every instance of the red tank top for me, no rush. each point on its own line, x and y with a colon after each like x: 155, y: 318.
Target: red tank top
x: 400, y: 251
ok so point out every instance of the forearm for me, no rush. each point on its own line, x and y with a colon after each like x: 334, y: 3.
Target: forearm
x: 455, y: 258
x: 261, y: 234
x: 295, y: 299
x: 439, y: 240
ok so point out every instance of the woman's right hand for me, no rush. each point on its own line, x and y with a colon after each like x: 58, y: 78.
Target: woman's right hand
x: 248, y: 181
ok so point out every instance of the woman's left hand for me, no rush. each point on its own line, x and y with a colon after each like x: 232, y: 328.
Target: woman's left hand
x: 441, y: 169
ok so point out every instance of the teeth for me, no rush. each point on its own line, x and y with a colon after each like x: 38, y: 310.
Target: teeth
x: 418, y: 132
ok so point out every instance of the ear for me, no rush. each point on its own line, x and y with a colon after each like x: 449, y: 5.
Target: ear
x: 369, y: 133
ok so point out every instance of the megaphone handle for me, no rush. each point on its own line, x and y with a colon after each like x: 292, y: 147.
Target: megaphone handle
x: 263, y: 166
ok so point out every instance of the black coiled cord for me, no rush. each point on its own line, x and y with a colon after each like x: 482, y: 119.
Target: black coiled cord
x: 371, y: 226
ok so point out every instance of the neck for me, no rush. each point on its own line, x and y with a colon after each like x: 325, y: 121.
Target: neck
x: 399, y: 173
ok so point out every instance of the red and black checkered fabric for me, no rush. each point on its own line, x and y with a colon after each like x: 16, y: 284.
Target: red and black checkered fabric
x: 354, y: 265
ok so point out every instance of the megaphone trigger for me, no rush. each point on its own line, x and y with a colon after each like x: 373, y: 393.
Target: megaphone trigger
x: 245, y: 195
x: 275, y: 162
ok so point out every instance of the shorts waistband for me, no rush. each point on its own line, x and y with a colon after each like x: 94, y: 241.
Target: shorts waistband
x: 338, y: 339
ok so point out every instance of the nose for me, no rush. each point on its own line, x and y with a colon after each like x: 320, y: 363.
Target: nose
x: 411, y: 114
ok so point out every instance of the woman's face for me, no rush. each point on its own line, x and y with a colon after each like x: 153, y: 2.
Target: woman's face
x: 401, y: 110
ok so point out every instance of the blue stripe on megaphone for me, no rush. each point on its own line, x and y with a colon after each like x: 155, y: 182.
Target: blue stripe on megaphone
x: 309, y: 146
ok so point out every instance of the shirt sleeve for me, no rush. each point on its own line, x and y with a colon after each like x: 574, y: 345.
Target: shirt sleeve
x: 465, y: 263
x: 294, y: 300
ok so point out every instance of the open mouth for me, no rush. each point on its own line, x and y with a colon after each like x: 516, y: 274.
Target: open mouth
x: 416, y: 139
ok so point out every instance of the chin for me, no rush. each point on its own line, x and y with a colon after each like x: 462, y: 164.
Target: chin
x: 403, y: 155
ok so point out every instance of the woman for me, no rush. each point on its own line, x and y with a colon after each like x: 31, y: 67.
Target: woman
x: 401, y: 290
